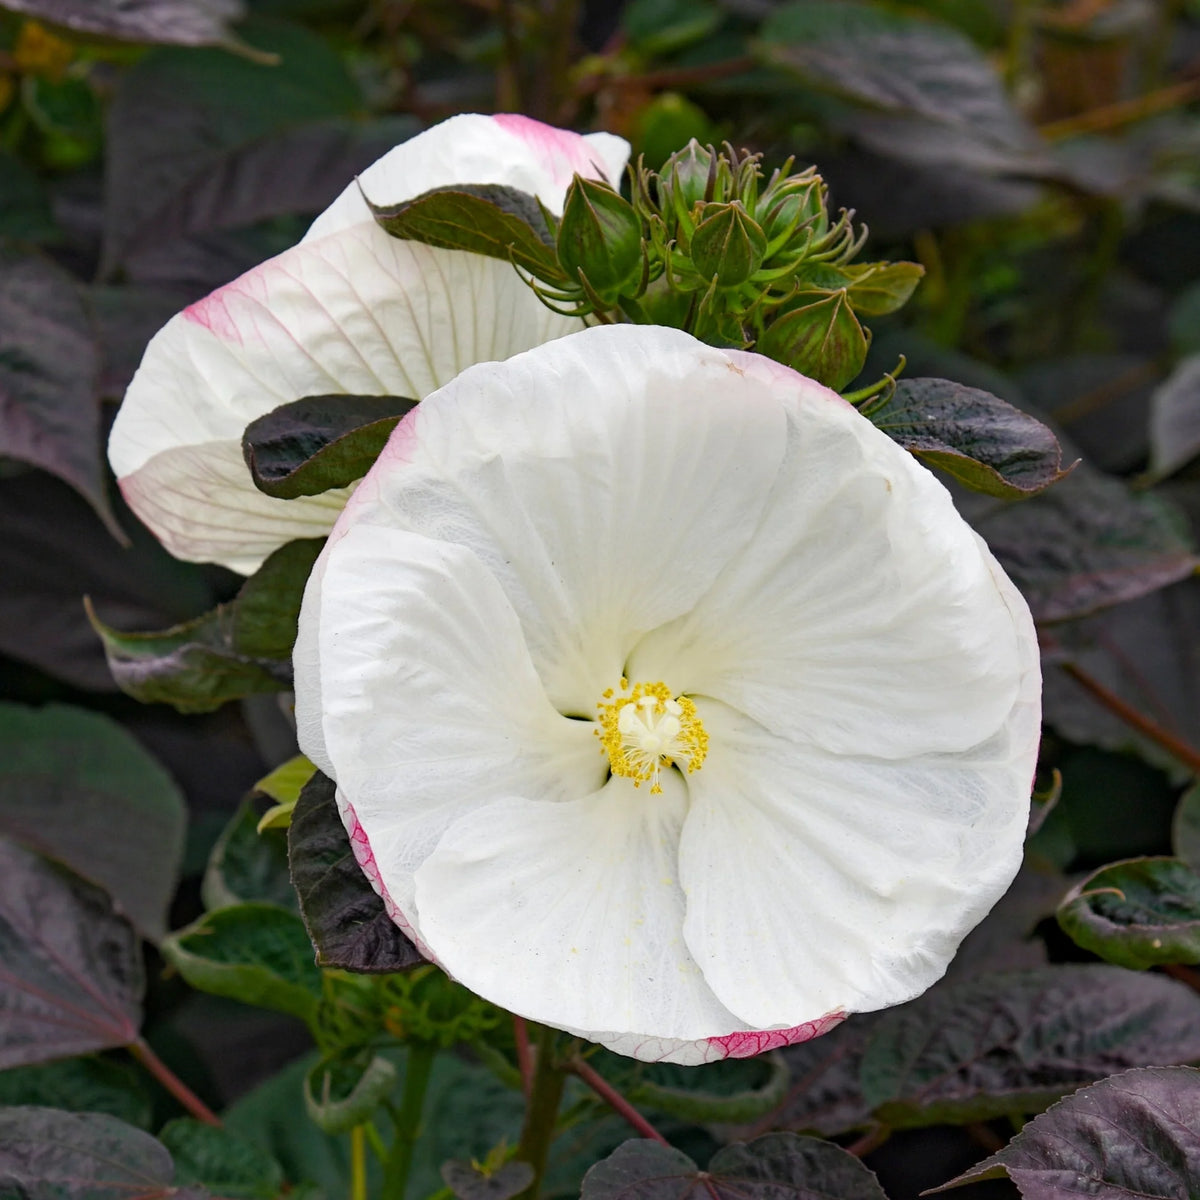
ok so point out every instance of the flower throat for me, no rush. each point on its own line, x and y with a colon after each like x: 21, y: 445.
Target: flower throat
x: 646, y: 729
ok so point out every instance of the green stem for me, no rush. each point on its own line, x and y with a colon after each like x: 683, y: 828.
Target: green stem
x: 398, y: 1163
x: 541, y: 1113
x: 358, y: 1163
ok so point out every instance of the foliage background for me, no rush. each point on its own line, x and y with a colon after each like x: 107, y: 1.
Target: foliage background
x: 1040, y: 159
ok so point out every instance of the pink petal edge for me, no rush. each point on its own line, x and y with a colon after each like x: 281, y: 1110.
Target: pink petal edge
x: 565, y: 153
x: 747, y: 1043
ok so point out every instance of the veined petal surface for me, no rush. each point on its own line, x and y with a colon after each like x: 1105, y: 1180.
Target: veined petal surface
x: 628, y: 501
x: 348, y: 310
x: 584, y: 478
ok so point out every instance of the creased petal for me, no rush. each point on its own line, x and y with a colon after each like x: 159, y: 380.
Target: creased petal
x: 358, y: 312
x: 861, y: 616
x: 818, y: 882
x: 428, y: 706
x: 606, y: 481
x: 571, y: 912
x: 506, y: 149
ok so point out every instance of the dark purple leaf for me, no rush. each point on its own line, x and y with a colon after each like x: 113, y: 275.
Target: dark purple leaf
x: 1135, y: 1136
x: 346, y: 920
x: 70, y: 967
x: 49, y: 365
x: 778, y: 1166
x: 469, y: 1182
x: 186, y: 22
x: 77, y: 788
x: 978, y: 438
x: 1017, y: 1040
x: 46, y: 1154
x: 1175, y: 419
x: 1086, y: 544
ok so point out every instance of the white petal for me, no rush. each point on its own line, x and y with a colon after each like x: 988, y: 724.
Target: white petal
x: 503, y: 149
x: 606, y: 480
x: 428, y: 706
x: 571, y: 912
x: 862, y: 615
x: 818, y: 882
x: 359, y: 312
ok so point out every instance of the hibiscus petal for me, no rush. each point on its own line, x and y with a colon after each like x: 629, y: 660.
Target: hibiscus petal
x: 358, y: 312
x: 583, y: 477
x: 507, y: 149
x: 861, y: 616
x: 425, y: 699
x: 571, y: 912
x: 817, y: 881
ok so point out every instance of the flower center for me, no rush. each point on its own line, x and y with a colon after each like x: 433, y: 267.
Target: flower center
x: 647, y: 728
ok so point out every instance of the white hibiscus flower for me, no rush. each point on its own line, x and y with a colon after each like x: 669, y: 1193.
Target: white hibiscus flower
x: 348, y: 310
x: 669, y: 701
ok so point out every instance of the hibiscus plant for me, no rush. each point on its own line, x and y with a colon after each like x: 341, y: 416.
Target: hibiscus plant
x: 648, y: 660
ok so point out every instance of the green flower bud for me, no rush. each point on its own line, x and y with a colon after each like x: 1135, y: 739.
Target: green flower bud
x: 684, y: 179
x: 600, y: 235
x: 820, y: 337
x: 727, y: 244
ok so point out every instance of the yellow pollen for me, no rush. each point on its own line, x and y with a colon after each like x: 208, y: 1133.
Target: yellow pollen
x: 646, y: 729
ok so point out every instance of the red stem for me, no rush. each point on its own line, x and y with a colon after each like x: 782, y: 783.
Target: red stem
x: 1176, y: 747
x: 180, y: 1090
x: 524, y: 1053
x: 612, y: 1097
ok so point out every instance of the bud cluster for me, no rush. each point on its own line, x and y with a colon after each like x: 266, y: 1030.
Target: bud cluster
x: 708, y: 244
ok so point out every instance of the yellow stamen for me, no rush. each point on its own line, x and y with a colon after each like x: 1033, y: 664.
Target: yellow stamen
x: 646, y: 729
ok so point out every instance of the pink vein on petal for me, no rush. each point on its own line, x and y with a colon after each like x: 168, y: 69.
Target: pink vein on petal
x: 365, y: 857
x: 565, y: 153
x: 213, y: 312
x: 749, y: 1042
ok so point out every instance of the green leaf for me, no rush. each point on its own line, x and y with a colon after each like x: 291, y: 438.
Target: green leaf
x: 779, y: 1164
x: 342, y: 1092
x: 220, y: 1161
x: 1185, y: 829
x: 346, y: 920
x: 500, y: 222
x: 24, y: 206
x: 46, y: 1154
x: 283, y: 785
x: 49, y: 363
x: 76, y: 787
x: 239, y: 649
x: 321, y: 442
x: 181, y: 21
x: 248, y: 865
x: 659, y: 27
x: 1140, y: 913
x: 257, y: 953
x: 1086, y: 544
x: 876, y: 289
x: 1134, y: 1135
x: 72, y: 968
x: 820, y: 337
x: 730, y: 1090
x: 978, y: 438
x: 87, y: 1084
x: 1014, y: 1041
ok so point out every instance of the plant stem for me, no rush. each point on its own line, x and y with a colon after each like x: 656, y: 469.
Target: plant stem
x: 180, y: 1090
x: 1176, y: 747
x: 615, y: 1100
x: 524, y: 1054
x: 398, y: 1163
x: 358, y: 1163
x: 541, y: 1113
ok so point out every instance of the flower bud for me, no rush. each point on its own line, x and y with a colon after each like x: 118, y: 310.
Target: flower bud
x: 684, y: 179
x: 600, y: 235
x: 727, y: 244
x: 820, y: 338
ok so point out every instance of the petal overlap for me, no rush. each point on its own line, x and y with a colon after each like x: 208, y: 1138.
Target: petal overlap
x: 348, y: 310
